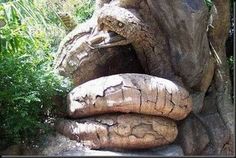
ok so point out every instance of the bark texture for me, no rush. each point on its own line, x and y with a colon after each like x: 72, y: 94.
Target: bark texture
x: 123, y: 131
x: 178, y: 49
x: 137, y: 93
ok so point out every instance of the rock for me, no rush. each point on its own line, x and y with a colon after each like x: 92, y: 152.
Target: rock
x: 120, y: 131
x: 193, y: 136
x: 185, y: 23
x: 170, y: 150
x: 137, y: 93
x: 59, y: 145
x: 54, y: 143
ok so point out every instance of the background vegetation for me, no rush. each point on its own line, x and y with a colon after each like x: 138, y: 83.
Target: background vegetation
x: 30, y: 32
x: 230, y: 47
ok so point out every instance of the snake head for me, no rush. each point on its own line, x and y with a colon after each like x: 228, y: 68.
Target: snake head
x: 122, y: 21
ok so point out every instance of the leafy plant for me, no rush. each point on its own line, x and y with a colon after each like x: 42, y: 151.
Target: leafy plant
x: 30, y: 32
x: 231, y: 62
x: 209, y: 3
x: 84, y: 10
x: 27, y: 82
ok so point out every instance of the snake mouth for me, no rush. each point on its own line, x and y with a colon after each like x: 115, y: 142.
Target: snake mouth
x: 106, y: 38
x: 117, y: 104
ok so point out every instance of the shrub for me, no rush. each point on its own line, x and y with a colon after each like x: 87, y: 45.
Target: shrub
x: 84, y: 10
x: 27, y: 82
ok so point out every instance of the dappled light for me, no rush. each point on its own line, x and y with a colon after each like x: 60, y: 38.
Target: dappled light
x: 116, y: 77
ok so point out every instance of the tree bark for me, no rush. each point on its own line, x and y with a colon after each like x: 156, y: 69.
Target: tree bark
x: 174, y: 40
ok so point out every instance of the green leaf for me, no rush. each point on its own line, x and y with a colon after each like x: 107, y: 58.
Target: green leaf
x: 209, y: 3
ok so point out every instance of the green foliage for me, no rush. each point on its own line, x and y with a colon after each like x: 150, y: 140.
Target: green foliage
x: 208, y: 3
x: 230, y: 61
x: 27, y: 82
x: 85, y: 10
x: 30, y: 32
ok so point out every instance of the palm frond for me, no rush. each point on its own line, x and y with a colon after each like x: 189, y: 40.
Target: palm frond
x: 25, y: 9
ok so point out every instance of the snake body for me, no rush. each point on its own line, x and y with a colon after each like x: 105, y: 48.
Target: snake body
x: 120, y: 131
x: 137, y: 93
x: 149, y: 48
x: 149, y: 103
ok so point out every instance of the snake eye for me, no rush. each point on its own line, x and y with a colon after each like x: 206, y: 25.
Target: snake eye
x: 120, y: 24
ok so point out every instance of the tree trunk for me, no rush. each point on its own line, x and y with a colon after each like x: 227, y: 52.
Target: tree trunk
x: 176, y: 40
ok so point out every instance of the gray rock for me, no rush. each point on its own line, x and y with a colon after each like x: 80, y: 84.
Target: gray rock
x: 192, y: 136
x: 170, y: 150
x: 56, y: 144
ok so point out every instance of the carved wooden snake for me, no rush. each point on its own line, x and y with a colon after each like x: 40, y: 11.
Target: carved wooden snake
x: 149, y: 102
